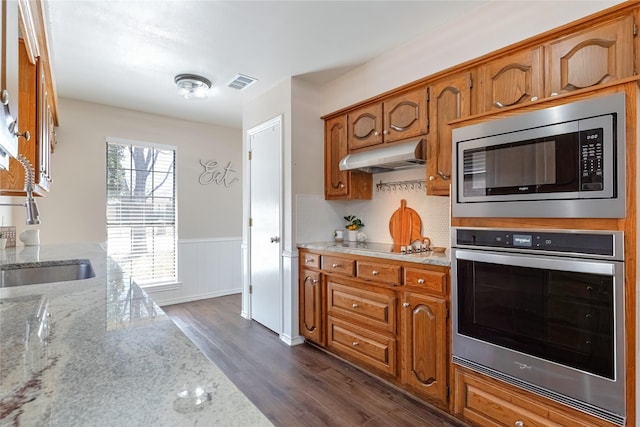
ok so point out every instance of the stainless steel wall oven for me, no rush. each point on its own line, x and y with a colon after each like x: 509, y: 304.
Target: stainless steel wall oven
x: 544, y: 310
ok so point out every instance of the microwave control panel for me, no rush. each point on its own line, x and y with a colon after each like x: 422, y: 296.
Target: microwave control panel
x: 591, y: 160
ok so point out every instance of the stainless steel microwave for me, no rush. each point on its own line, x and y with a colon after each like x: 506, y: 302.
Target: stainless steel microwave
x: 566, y: 161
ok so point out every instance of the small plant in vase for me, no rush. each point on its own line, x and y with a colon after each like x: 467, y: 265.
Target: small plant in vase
x: 353, y: 225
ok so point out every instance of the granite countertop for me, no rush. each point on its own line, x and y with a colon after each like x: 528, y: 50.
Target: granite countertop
x: 380, y: 250
x: 99, y: 351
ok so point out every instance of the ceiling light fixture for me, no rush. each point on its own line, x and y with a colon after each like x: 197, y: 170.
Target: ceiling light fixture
x: 191, y: 86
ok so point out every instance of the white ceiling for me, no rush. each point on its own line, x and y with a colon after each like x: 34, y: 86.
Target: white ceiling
x: 127, y: 53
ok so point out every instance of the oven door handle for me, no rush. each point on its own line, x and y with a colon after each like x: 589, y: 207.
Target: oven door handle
x: 606, y: 268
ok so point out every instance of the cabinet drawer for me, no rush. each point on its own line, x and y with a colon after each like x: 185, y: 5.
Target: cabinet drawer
x: 376, y: 310
x: 485, y: 403
x: 368, y: 348
x: 311, y: 260
x: 432, y: 281
x: 383, y: 273
x: 332, y: 264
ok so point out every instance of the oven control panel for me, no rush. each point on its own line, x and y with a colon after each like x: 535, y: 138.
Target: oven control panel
x: 570, y: 242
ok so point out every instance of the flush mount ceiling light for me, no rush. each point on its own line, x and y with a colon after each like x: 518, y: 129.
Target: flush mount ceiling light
x: 191, y: 86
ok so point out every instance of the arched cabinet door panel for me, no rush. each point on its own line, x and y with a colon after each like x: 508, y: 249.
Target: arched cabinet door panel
x: 425, y: 345
x: 596, y: 55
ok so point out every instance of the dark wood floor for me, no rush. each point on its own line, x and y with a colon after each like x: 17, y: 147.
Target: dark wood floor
x: 295, y: 386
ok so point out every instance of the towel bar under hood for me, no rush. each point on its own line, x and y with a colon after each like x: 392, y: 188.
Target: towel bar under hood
x: 391, y: 157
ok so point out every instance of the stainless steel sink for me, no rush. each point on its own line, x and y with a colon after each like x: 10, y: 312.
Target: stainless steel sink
x: 46, y: 272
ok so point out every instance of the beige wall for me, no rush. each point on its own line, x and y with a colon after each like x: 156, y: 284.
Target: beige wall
x: 75, y: 209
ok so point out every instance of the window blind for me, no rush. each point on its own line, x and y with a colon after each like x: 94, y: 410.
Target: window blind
x: 141, y: 210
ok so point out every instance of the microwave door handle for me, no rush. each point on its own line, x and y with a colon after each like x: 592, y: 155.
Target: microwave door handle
x: 604, y: 268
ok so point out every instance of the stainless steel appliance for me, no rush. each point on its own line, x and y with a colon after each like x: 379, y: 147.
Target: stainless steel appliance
x: 564, y: 161
x: 544, y: 310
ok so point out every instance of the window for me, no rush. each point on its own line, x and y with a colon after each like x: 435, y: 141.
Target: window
x: 141, y: 210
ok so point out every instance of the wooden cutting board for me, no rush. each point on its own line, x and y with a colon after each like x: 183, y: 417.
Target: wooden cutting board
x: 405, y: 225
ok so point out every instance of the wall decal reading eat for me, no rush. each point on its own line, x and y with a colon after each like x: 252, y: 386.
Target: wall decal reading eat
x: 221, y: 176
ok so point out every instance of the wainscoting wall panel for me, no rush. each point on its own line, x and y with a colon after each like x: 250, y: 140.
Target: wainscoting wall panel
x: 207, y: 268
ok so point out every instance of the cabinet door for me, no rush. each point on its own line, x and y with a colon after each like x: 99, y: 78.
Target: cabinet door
x: 44, y: 132
x: 511, y: 79
x: 336, y: 181
x: 365, y: 127
x: 450, y: 100
x: 405, y: 116
x: 9, y: 80
x: 594, y: 56
x: 311, y: 302
x: 342, y: 184
x: 425, y: 346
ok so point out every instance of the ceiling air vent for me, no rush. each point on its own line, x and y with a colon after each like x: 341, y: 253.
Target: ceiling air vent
x: 240, y: 82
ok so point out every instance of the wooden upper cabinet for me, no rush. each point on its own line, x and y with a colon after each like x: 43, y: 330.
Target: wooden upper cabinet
x: 450, y: 100
x: 406, y: 115
x: 365, y: 127
x: 35, y: 116
x: 597, y: 55
x: 336, y: 181
x: 394, y: 119
x: 512, y: 79
x: 342, y: 184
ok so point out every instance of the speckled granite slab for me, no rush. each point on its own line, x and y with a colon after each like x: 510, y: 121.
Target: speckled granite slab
x: 380, y: 250
x: 100, y: 352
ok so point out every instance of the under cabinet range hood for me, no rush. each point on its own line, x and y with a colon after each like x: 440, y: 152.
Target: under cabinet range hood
x: 403, y: 155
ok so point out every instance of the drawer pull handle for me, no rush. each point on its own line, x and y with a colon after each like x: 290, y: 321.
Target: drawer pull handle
x: 335, y: 265
x: 308, y: 260
x: 375, y: 273
x: 420, y: 281
x: 519, y: 423
x: 355, y: 343
x: 405, y: 304
x: 354, y: 305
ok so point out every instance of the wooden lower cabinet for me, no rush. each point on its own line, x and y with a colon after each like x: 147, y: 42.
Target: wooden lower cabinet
x: 485, y: 401
x: 311, y: 306
x: 386, y: 316
x: 424, y: 364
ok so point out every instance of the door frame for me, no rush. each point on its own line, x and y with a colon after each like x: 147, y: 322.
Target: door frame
x: 250, y: 133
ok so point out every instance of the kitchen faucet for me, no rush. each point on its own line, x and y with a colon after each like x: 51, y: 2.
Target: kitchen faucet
x: 33, y: 214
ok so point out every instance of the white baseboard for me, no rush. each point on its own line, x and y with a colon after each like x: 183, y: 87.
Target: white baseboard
x: 291, y: 341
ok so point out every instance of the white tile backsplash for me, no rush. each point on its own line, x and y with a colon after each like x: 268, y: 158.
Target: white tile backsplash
x: 317, y: 218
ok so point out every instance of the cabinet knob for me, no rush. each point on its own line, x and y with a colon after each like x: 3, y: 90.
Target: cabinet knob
x: 314, y: 281
x: 355, y: 343
x: 335, y: 265
x: 376, y: 133
x: 405, y: 304
x: 498, y: 104
x: 385, y: 132
x: 375, y: 273
x: 432, y: 178
x: 420, y: 281
x: 354, y: 305
x: 519, y: 423
x: 307, y: 260
x: 341, y: 185
x: 26, y: 135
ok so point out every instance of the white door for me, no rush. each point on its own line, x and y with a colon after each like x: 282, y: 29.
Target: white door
x: 265, y: 248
